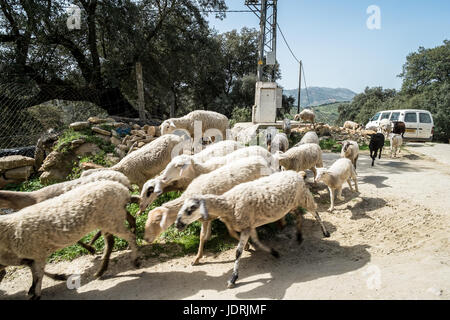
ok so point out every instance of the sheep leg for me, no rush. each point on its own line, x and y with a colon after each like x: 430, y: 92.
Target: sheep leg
x: 331, y: 199
x: 354, y: 162
x: 242, y: 242
x: 339, y: 194
x: 109, y: 244
x: 379, y: 156
x: 2, y: 272
x: 313, y: 169
x: 208, y: 231
x: 356, y: 183
x: 255, y: 239
x: 37, y: 271
x: 88, y: 247
x: 122, y: 232
x: 95, y: 237
x: 132, y: 222
x: 282, y: 223
x: 299, y: 226
x: 350, y: 185
x: 203, y: 237
x: 324, y: 230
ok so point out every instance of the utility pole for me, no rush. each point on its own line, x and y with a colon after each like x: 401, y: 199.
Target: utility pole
x: 262, y: 39
x: 299, y: 86
x: 266, y: 11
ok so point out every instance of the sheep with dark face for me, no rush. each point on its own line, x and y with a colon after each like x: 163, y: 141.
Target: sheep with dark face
x: 279, y: 140
x: 376, y: 145
x: 250, y: 205
x: 350, y: 150
x: 287, y: 127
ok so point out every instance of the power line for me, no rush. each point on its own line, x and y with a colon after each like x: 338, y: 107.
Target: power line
x: 298, y: 61
x: 287, y: 44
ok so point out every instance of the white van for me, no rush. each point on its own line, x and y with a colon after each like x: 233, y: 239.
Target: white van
x: 419, y: 123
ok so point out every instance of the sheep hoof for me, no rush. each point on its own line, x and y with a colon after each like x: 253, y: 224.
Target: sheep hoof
x: 195, y: 262
x: 136, y: 263
x: 326, y: 234
x: 341, y: 198
x: 35, y: 297
x: 232, y: 281
x: 98, y: 274
x: 274, y: 253
x: 330, y: 209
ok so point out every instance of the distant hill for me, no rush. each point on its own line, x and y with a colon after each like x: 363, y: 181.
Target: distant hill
x: 321, y: 95
x: 328, y: 113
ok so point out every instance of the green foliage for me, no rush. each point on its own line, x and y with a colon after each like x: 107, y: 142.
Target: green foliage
x: 27, y: 186
x: 330, y: 144
x: 240, y: 115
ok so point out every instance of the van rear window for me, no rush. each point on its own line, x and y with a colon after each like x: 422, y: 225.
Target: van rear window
x: 410, y: 117
x: 394, y: 116
x: 424, y: 118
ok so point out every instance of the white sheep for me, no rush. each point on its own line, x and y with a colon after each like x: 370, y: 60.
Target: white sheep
x: 32, y: 234
x: 279, y: 140
x: 19, y: 200
x: 334, y: 177
x: 351, y: 125
x: 309, y: 137
x: 209, y: 120
x: 396, y: 142
x: 146, y: 162
x: 350, y: 150
x: 385, y: 126
x: 287, y: 127
x: 301, y: 158
x: 250, y: 205
x: 215, y: 182
x: 306, y: 115
x: 186, y: 167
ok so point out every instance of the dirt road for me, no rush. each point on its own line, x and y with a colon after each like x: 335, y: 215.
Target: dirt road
x: 390, y: 241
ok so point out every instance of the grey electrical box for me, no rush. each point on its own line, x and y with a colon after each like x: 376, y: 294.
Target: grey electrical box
x: 270, y: 58
x: 268, y: 98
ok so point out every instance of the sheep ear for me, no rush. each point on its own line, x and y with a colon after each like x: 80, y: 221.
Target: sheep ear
x: 203, y: 210
x: 158, y: 189
x: 172, y: 124
x: 164, y: 224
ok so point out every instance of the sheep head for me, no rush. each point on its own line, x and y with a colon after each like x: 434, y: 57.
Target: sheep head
x: 167, y: 127
x: 194, y: 208
x: 151, y: 190
x: 156, y: 223
x: 179, y: 167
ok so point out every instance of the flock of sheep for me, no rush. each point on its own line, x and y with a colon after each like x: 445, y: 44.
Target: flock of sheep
x: 244, y: 187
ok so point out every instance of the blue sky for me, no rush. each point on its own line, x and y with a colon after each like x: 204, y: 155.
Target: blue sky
x: 335, y: 45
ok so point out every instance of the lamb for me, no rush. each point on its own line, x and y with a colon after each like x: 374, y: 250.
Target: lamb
x: 395, y: 141
x: 399, y: 128
x: 350, y: 150
x: 250, y: 205
x: 351, y: 125
x: 32, y: 234
x: 305, y: 156
x: 187, y: 167
x: 209, y: 120
x: 376, y: 144
x: 309, y: 137
x: 385, y: 126
x: 340, y: 171
x: 279, y: 140
x: 145, y: 163
x: 215, y: 182
x: 287, y: 127
x: 306, y: 115
x: 19, y: 200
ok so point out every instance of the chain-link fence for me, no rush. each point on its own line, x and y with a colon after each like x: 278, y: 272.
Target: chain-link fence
x: 22, y: 127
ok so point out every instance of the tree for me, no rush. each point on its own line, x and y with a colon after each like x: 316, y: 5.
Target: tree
x: 43, y: 60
